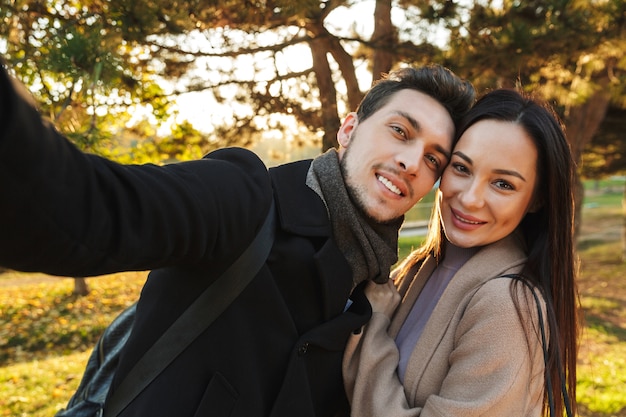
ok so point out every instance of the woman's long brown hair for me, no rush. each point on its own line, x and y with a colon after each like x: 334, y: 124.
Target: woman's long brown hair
x: 549, y: 233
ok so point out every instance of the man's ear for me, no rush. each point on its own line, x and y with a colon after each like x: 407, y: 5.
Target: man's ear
x: 347, y: 128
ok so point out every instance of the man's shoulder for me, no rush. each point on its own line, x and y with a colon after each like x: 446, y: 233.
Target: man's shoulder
x: 301, y: 166
x: 291, y: 176
x: 236, y: 155
x: 301, y: 209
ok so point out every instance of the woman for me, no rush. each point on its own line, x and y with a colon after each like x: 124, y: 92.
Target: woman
x: 466, y: 339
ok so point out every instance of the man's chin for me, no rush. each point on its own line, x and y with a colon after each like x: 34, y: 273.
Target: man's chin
x: 383, y: 220
x: 396, y: 220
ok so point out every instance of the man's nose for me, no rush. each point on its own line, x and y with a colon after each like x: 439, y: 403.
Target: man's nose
x: 411, y: 158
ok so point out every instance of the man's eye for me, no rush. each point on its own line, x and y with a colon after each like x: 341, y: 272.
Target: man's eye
x: 399, y: 131
x: 433, y: 160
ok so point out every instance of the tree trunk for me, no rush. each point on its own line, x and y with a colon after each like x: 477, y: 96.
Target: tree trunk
x: 624, y: 224
x: 383, y: 39
x: 582, y: 123
x: 348, y: 72
x: 326, y: 86
x: 80, y: 286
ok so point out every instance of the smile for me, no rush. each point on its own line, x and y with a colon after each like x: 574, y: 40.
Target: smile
x: 464, y: 220
x: 389, y: 185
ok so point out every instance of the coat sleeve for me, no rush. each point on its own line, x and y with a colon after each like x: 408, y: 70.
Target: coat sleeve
x: 494, y: 369
x: 370, y: 378
x: 66, y: 212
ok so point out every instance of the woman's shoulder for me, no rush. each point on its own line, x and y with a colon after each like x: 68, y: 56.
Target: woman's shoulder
x: 509, y: 297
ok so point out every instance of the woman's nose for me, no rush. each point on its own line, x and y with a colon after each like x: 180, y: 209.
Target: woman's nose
x: 473, y: 195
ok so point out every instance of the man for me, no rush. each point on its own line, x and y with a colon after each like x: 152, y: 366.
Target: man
x: 277, y: 349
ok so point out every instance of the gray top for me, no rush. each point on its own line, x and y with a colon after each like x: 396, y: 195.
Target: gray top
x: 414, y: 324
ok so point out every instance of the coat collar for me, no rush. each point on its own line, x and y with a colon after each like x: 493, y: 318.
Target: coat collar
x: 298, y: 206
x: 302, y: 212
x: 505, y: 256
x: 490, y: 261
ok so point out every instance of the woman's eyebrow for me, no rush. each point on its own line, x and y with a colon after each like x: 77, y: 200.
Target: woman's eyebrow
x: 497, y: 171
x: 464, y: 157
x: 510, y: 172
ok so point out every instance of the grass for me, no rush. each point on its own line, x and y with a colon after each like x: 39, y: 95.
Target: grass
x: 602, y: 285
x: 46, y: 333
x: 602, y: 356
x: 40, y: 387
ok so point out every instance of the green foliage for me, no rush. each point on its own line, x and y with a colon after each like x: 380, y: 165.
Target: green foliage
x: 86, y: 58
x: 77, y: 64
x: 569, y: 53
x: 554, y: 47
x: 606, y: 154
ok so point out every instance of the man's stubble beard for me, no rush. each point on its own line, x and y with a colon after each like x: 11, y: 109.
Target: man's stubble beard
x: 356, y: 193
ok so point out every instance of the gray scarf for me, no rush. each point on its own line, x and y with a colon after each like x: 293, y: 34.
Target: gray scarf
x: 371, y: 248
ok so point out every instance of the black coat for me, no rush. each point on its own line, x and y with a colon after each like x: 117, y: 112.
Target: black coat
x: 276, y: 351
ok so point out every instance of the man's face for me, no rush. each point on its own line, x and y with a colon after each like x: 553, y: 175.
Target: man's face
x: 392, y: 159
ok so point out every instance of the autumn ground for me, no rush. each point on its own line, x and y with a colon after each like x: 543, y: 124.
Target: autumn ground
x: 46, y: 333
x: 602, y: 286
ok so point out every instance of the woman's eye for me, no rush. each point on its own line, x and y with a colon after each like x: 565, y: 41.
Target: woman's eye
x: 459, y: 167
x: 505, y: 185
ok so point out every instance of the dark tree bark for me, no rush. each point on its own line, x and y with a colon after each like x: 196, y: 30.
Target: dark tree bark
x: 328, y: 94
x: 80, y: 286
x: 582, y: 123
x: 383, y: 39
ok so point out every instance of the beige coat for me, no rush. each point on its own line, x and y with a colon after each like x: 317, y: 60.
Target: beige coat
x: 473, y: 358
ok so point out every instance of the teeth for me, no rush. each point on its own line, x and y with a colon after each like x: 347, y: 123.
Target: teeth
x: 465, y: 220
x: 389, y: 185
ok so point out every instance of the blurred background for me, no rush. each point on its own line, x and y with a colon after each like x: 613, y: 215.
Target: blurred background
x: 163, y: 81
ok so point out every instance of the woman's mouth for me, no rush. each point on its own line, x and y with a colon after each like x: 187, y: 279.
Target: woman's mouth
x: 469, y: 220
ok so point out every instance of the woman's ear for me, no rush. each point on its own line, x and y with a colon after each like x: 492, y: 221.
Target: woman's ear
x: 536, y: 205
x: 344, y: 135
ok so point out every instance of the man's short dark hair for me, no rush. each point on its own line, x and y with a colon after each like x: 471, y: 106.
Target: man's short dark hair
x: 454, y: 93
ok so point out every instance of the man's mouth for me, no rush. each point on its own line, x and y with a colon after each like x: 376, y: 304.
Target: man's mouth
x: 387, y: 183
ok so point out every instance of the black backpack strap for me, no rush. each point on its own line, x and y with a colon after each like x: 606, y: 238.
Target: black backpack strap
x: 195, y: 319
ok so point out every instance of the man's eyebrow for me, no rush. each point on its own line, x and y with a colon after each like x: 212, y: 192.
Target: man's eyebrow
x: 497, y: 171
x: 414, y: 123
x: 443, y: 150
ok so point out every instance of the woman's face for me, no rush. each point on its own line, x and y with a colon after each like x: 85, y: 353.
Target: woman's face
x: 489, y: 184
